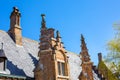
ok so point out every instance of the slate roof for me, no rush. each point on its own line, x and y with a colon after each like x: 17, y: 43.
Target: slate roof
x: 21, y: 60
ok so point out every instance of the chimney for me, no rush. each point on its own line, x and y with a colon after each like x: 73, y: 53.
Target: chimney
x: 15, y: 29
x: 100, y: 57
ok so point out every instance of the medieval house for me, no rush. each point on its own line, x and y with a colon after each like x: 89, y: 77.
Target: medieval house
x: 25, y: 59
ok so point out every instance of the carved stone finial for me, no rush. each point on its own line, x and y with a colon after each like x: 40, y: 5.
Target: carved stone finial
x: 15, y: 8
x: 58, y: 34
x: 43, y: 17
x: 15, y: 11
x: 43, y: 23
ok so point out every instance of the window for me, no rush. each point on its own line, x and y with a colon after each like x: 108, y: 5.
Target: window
x: 61, y: 68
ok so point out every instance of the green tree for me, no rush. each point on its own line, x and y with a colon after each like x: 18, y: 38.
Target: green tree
x: 106, y: 72
x: 113, y: 57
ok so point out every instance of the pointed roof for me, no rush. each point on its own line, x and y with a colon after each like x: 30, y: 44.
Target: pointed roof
x: 82, y: 38
x: 84, y: 51
x: 83, y: 44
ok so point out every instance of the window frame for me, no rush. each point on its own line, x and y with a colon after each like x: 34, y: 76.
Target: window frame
x: 61, y: 68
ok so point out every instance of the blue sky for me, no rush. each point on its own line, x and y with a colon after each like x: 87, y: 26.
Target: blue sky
x: 92, y: 18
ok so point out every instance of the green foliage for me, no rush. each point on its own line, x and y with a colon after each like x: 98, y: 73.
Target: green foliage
x: 113, y: 57
x: 106, y: 72
x: 115, y: 69
x: 114, y: 45
x: 114, y: 51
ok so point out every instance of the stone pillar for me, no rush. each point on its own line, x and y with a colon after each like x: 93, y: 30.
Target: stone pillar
x: 15, y: 29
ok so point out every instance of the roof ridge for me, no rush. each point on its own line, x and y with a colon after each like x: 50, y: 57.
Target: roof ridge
x: 30, y: 39
x: 72, y: 53
x: 22, y: 37
x: 3, y: 31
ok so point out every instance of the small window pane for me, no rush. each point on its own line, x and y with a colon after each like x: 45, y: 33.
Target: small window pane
x: 59, y: 70
x: 63, y: 69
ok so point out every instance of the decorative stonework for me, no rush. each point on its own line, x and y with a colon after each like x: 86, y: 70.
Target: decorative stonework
x: 52, y: 54
x: 51, y: 62
x: 87, y: 73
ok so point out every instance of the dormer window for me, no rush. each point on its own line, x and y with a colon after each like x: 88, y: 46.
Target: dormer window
x: 62, y: 66
x: 2, y: 60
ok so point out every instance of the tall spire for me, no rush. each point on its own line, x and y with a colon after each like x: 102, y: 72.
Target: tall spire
x: 83, y: 44
x: 87, y: 73
x: 84, y: 50
x: 43, y: 23
x: 46, y: 35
